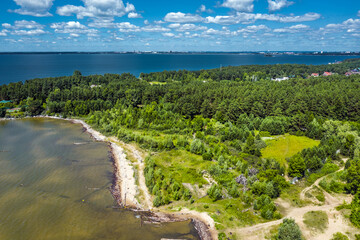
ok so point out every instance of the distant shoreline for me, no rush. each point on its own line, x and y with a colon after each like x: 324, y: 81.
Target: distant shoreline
x: 303, y: 53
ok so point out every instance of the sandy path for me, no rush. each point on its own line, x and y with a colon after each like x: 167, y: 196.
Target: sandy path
x: 329, y: 199
x: 337, y: 222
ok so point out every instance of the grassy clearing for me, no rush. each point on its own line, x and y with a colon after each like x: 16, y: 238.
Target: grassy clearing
x: 186, y: 167
x: 316, y: 220
x: 183, y: 166
x: 157, y: 83
x: 227, y: 213
x: 285, y: 146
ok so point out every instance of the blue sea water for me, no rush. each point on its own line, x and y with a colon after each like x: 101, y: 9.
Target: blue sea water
x: 21, y: 67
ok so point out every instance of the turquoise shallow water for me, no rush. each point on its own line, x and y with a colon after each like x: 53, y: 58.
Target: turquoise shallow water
x: 21, y: 67
x: 54, y: 184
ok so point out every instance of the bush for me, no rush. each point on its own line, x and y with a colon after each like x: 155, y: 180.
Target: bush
x: 339, y: 236
x: 207, y: 156
x: 214, y: 192
x: 182, y: 142
x: 2, y: 112
x: 197, y: 147
x: 157, y: 201
x: 289, y: 230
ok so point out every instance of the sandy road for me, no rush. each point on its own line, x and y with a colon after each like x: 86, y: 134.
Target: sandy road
x: 337, y: 223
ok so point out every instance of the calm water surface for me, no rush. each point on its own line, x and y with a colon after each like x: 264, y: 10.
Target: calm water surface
x: 20, y: 67
x: 51, y: 188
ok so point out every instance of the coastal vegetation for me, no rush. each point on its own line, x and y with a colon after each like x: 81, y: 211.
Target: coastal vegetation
x: 225, y: 141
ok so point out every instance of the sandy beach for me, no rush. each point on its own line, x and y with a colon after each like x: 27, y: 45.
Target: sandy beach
x: 125, y: 190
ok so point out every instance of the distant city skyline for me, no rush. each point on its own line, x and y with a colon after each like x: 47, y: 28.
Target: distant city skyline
x: 197, y: 25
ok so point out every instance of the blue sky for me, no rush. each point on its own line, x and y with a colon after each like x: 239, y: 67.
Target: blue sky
x: 179, y: 25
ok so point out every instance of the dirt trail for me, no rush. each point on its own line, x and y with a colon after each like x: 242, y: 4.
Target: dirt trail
x: 337, y: 223
x: 329, y: 199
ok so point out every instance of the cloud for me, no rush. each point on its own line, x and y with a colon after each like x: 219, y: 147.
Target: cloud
x: 127, y: 27
x: 186, y: 27
x: 73, y: 28
x: 278, y: 4
x: 23, y: 24
x: 292, y: 29
x: 23, y: 28
x: 239, y: 5
x: 97, y: 9
x: 358, y: 13
x: 102, y: 23
x: 203, y: 8
x: 350, y: 26
x: 180, y: 17
x: 156, y: 28
x: 254, y: 28
x: 134, y: 15
x: 28, y: 32
x: 229, y: 20
x: 168, y: 34
x: 4, y: 32
x: 304, y: 18
x: 68, y: 25
x: 36, y: 8
x: 246, y: 18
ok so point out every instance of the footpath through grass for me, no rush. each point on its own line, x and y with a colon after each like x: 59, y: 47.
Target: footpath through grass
x: 285, y: 146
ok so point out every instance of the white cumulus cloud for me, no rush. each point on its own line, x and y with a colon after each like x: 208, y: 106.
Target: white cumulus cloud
x: 350, y: 26
x: 179, y: 17
x: 134, y: 15
x: 73, y: 28
x: 168, y: 34
x: 4, y: 32
x: 203, y: 8
x: 97, y: 8
x: 304, y: 18
x: 68, y: 25
x: 278, y: 4
x: 186, y: 27
x: 127, y: 27
x: 28, y: 32
x: 292, y: 29
x: 239, y: 5
x: 156, y: 28
x: 246, y: 18
x: 23, y: 24
x: 254, y: 29
x: 36, y: 8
